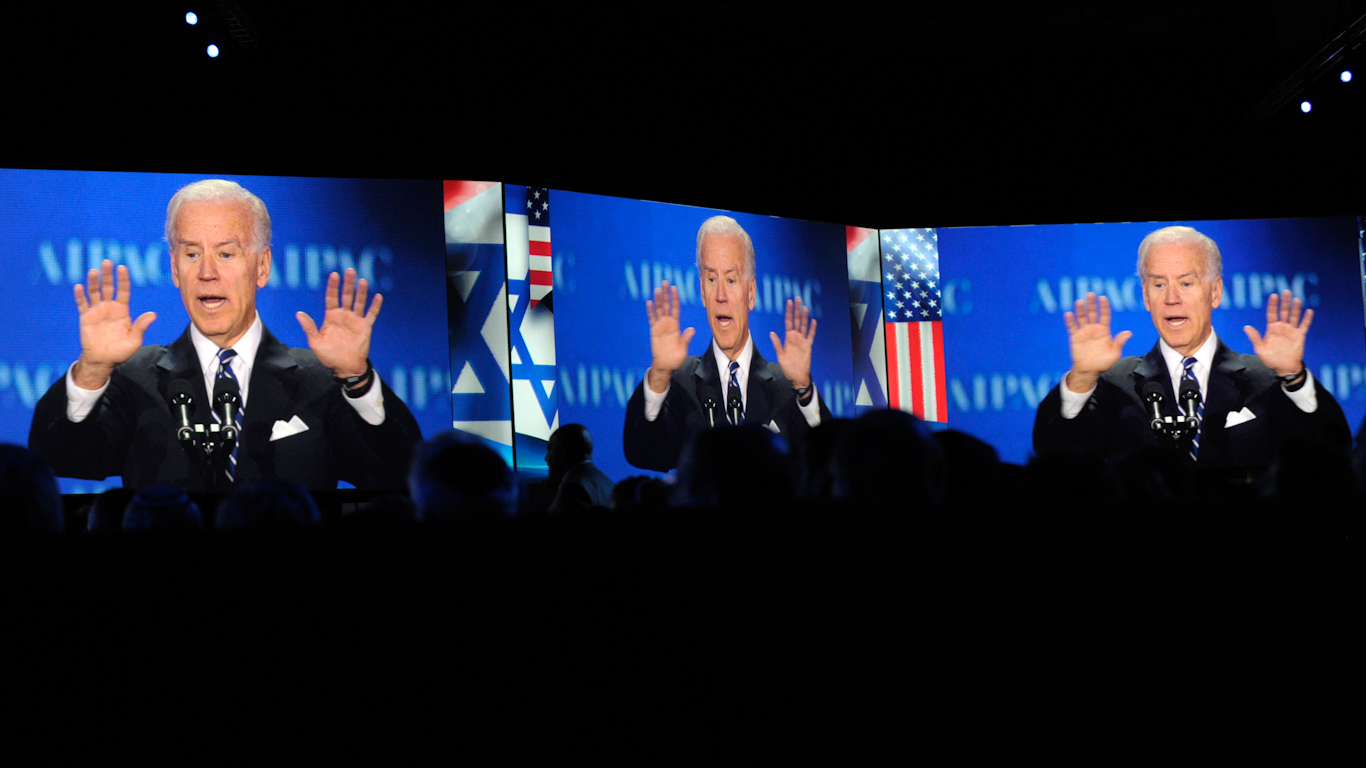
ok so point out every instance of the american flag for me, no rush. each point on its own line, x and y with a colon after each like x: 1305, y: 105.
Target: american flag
x: 915, y: 327
x: 538, y: 235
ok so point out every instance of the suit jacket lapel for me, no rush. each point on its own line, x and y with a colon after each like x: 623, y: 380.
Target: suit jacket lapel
x: 180, y: 361
x: 759, y: 394
x: 1154, y: 368
x: 705, y: 374
x: 1225, y: 384
x: 272, y: 391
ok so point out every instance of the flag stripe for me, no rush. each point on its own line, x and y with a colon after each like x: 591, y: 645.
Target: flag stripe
x: 539, y: 277
x: 942, y: 395
x: 893, y: 370
x: 915, y: 358
x: 538, y: 233
x: 539, y: 247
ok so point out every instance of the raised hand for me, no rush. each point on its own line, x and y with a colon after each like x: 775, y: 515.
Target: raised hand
x: 1094, y: 350
x: 108, y: 334
x: 343, y: 343
x: 794, y: 353
x: 668, y: 347
x: 1282, y: 348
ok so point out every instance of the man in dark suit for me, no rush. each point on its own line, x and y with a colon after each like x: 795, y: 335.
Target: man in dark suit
x: 667, y: 408
x: 1248, y: 405
x: 311, y: 416
x: 575, y: 485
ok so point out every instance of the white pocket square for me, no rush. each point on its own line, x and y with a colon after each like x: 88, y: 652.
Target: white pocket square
x: 286, y: 428
x: 773, y: 427
x: 1234, y: 419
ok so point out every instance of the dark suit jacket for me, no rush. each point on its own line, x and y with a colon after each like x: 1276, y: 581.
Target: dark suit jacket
x: 769, y: 398
x: 583, y: 487
x: 1115, y: 422
x: 132, y: 431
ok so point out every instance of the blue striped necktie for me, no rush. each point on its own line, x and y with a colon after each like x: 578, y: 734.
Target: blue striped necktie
x: 1189, y: 375
x: 225, y: 370
x: 735, y: 382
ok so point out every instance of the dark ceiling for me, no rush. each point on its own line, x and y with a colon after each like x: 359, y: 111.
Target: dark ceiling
x: 932, y: 112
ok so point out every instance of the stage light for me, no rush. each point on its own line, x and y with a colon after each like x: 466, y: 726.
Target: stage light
x: 191, y: 18
x: 1346, y: 76
x: 213, y: 54
x: 1305, y: 107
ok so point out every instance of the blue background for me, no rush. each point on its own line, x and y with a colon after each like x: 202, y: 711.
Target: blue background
x: 1007, y: 287
x: 608, y: 256
x: 390, y: 230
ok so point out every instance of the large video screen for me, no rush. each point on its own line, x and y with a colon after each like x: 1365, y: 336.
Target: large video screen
x: 1006, y: 289
x: 55, y: 225
x: 581, y: 268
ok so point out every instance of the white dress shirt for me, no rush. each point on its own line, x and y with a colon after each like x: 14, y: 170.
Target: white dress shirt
x: 654, y: 401
x: 80, y: 402
x: 1305, y: 397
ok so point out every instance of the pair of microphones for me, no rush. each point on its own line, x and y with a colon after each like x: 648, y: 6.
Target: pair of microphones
x: 733, y: 403
x: 1179, y: 429
x: 210, y: 443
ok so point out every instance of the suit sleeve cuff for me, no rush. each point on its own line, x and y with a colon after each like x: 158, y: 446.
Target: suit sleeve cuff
x: 654, y: 401
x: 1306, y: 398
x: 370, y: 406
x: 80, y: 402
x: 1073, y: 402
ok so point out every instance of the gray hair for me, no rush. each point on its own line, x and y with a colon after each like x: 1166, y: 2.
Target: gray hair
x: 1214, y: 263
x: 725, y: 226
x: 225, y: 192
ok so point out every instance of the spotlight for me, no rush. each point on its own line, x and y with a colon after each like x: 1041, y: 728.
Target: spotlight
x: 1346, y: 76
x: 213, y: 54
x: 1305, y: 107
x: 191, y: 18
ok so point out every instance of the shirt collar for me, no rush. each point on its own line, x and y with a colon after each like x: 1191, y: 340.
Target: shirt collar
x: 1204, y: 359
x: 245, y: 347
x: 1204, y: 356
x: 723, y: 362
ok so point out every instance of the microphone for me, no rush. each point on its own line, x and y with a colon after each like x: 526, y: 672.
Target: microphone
x: 181, y: 396
x: 1153, y: 396
x: 1190, y: 395
x: 708, y: 396
x: 227, y: 398
x: 734, y: 403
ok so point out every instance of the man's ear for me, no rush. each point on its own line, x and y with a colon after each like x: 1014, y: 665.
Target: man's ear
x: 175, y: 273
x: 263, y: 268
x: 752, y: 290
x: 1216, y: 292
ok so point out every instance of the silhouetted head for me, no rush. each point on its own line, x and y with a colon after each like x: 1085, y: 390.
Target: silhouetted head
x: 456, y: 477
x: 162, y: 508
x: 1070, y: 476
x: 815, y: 457
x: 106, y: 514
x: 569, y: 445
x: 886, y: 458
x: 268, y: 504
x: 1303, y: 469
x: 30, y: 502
x: 973, y: 468
x: 735, y: 466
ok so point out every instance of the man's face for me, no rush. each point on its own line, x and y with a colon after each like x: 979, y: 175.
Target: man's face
x: 216, y: 270
x: 727, y: 293
x: 1178, y: 296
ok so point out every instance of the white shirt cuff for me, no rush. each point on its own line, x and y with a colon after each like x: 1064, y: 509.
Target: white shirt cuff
x: 812, y: 410
x: 654, y: 401
x: 1306, y: 397
x: 1073, y: 402
x: 370, y: 406
x: 80, y: 402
